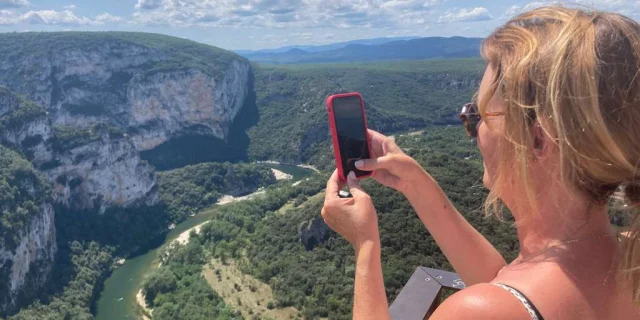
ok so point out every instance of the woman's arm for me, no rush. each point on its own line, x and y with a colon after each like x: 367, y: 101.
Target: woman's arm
x: 370, y: 299
x: 473, y: 257
x: 470, y: 254
x: 355, y: 219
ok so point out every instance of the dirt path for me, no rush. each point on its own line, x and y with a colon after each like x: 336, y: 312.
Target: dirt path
x: 243, y: 292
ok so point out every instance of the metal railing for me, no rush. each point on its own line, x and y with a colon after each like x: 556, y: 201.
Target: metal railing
x: 423, y: 293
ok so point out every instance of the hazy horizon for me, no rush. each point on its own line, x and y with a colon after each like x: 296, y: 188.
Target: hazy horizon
x: 268, y: 24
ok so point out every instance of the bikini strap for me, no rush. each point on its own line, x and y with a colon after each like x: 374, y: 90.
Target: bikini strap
x: 531, y: 309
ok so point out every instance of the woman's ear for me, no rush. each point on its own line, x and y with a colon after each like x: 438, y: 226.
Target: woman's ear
x: 540, y: 141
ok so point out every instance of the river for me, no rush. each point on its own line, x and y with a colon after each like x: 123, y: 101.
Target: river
x: 118, y: 296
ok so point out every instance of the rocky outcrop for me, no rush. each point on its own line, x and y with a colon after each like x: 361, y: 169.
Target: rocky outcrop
x: 185, y: 102
x: 27, y: 229
x: 313, y: 232
x: 91, y: 168
x: 81, y: 107
x: 29, y: 264
x: 148, y: 88
x: 152, y: 87
x: 103, y: 172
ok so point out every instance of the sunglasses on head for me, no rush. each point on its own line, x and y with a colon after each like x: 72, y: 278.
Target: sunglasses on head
x: 470, y: 116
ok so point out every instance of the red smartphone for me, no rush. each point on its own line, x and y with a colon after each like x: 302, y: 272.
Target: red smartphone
x: 348, y: 125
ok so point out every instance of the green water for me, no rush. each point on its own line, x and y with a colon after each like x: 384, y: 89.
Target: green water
x: 118, y: 297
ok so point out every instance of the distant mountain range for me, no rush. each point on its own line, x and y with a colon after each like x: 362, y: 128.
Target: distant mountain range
x: 326, y: 47
x: 371, y: 50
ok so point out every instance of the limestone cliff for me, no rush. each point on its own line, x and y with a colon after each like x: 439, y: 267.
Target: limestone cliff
x: 29, y: 264
x: 81, y: 107
x: 91, y: 168
x: 153, y: 87
x: 101, y: 171
x: 313, y: 232
x: 148, y: 88
x: 27, y: 230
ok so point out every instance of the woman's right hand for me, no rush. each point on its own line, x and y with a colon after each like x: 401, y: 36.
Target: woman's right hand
x: 391, y: 166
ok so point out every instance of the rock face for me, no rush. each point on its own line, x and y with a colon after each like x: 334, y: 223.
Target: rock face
x: 91, y: 168
x: 313, y: 232
x: 29, y: 264
x: 146, y: 88
x: 170, y: 104
x: 27, y: 229
x: 105, y: 172
x: 153, y: 87
x: 82, y: 106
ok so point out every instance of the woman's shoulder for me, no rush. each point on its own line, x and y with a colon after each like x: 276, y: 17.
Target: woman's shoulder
x: 482, y: 301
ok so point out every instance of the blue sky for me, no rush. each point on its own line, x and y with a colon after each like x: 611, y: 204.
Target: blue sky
x: 258, y: 24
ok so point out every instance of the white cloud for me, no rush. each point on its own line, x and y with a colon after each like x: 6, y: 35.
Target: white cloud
x: 605, y: 3
x: 106, y: 18
x: 516, y: 9
x: 4, y: 4
x: 7, y: 17
x: 626, y: 7
x: 285, y: 13
x: 148, y: 4
x: 466, y: 15
x: 301, y: 34
x: 52, y: 17
x: 410, y: 4
x: 70, y: 7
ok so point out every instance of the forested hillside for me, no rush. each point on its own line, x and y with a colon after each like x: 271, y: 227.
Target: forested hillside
x: 103, y: 151
x: 86, y: 115
x: 400, y: 96
x: 88, y: 243
x: 264, y: 236
x: 121, y: 154
x: 186, y: 190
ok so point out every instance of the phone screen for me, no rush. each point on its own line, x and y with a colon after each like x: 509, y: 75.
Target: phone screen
x: 352, y: 133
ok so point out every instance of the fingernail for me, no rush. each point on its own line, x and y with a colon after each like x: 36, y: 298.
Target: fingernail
x: 352, y: 175
x: 359, y: 163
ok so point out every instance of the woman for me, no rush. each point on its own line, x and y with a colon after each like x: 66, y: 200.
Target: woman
x: 558, y: 126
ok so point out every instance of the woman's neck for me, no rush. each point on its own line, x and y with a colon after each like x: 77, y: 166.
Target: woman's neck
x: 559, y: 217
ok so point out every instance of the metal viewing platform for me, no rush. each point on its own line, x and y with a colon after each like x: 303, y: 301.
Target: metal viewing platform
x: 423, y: 293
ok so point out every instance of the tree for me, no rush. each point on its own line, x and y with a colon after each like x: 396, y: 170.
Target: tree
x: 160, y: 281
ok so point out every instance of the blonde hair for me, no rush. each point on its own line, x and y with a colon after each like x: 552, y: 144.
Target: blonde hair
x: 575, y: 73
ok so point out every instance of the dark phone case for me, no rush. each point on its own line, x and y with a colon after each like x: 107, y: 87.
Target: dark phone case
x: 334, y: 131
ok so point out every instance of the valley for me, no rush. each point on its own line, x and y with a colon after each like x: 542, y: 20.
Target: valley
x: 399, y: 96
x: 130, y: 141
x: 118, y: 298
x: 141, y: 132
x: 244, y: 292
x: 168, y: 159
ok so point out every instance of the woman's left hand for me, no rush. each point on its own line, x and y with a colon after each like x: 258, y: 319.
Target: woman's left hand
x: 353, y: 218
